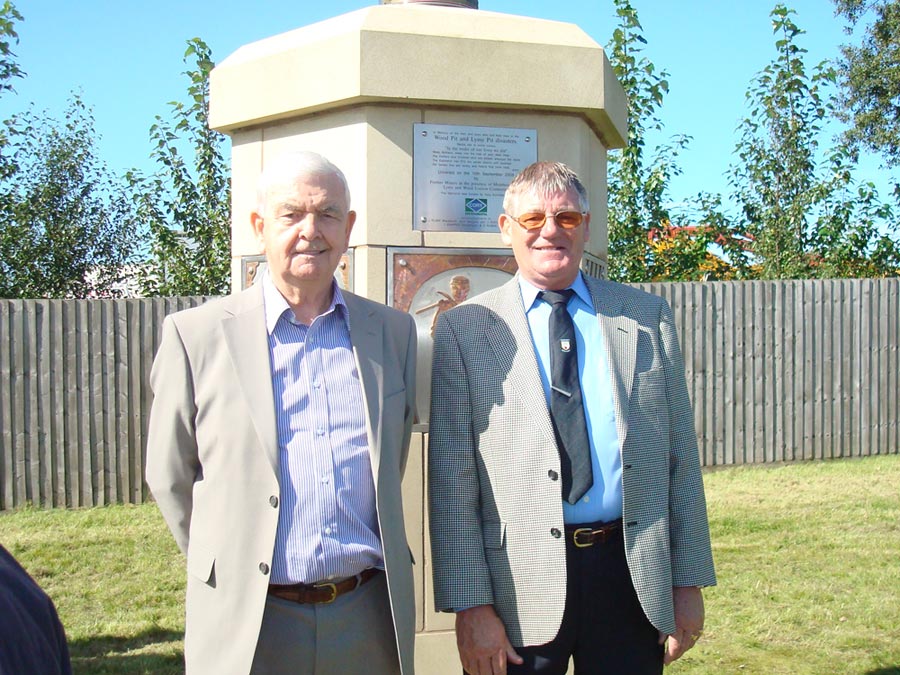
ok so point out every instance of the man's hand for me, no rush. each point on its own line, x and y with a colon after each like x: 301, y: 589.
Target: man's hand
x: 481, y: 638
x: 689, y: 616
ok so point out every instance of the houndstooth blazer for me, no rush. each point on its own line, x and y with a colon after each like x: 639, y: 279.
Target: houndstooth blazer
x: 495, y: 511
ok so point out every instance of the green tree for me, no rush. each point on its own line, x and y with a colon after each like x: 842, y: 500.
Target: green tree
x: 187, y: 206
x: 805, y: 217
x: 637, y: 185
x: 647, y: 239
x: 869, y: 78
x: 67, y: 229
x: 775, y: 179
x: 850, y: 232
x: 9, y: 70
x: 9, y: 67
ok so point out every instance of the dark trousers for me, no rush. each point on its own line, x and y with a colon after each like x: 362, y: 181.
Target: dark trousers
x: 604, y: 628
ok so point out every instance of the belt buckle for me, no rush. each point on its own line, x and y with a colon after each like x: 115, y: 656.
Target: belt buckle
x: 581, y: 530
x: 331, y: 587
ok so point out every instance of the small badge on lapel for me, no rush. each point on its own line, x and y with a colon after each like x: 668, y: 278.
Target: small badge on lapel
x: 565, y: 345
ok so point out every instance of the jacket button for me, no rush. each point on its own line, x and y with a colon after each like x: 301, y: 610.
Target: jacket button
x: 263, y: 568
x: 553, y: 475
x: 273, y: 500
x: 555, y: 532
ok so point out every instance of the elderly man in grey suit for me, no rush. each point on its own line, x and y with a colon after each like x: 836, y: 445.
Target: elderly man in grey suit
x: 567, y: 511
x: 278, y: 438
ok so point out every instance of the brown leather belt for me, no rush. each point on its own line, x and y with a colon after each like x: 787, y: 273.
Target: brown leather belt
x: 323, y: 592
x: 583, y: 537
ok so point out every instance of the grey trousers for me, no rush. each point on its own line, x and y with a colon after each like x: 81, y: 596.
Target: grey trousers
x: 353, y: 634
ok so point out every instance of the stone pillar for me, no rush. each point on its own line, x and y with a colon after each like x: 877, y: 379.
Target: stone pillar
x: 352, y: 88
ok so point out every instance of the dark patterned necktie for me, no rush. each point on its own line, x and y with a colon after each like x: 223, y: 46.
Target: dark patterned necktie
x: 566, y: 407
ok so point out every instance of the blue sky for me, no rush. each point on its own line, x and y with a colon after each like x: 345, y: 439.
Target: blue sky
x: 126, y: 59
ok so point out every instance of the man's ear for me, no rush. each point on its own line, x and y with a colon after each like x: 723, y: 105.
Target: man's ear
x: 504, y: 222
x: 351, y: 220
x: 587, y: 226
x: 257, y: 223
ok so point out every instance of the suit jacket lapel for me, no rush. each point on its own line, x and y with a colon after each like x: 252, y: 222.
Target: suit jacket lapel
x: 620, y: 333
x: 247, y: 340
x: 510, y: 338
x: 366, y: 336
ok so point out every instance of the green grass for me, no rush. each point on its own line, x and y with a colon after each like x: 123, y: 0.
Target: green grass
x: 808, y: 563
x: 808, y: 559
x: 117, y: 580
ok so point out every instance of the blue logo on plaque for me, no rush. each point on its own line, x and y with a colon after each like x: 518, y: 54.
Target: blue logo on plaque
x: 476, y: 205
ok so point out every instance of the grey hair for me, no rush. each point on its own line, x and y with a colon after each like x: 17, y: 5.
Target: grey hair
x: 544, y: 179
x: 296, y: 165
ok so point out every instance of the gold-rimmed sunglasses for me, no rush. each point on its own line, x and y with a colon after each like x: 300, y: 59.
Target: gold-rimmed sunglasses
x: 534, y: 220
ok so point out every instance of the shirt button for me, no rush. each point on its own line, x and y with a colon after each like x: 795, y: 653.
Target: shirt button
x: 325, y: 479
x: 317, y: 385
x: 586, y: 499
x: 553, y: 475
x: 555, y: 532
x: 273, y: 500
x: 320, y: 431
x: 263, y: 568
x: 327, y: 530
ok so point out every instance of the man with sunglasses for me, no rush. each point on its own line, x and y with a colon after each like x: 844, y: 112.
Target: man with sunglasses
x: 568, y: 518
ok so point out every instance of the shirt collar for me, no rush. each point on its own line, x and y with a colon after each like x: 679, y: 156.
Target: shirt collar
x: 276, y: 306
x: 530, y: 291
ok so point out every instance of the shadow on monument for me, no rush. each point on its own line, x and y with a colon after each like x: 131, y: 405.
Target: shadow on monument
x: 109, y: 654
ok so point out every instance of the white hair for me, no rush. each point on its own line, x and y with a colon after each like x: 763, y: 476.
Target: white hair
x: 544, y: 179
x: 296, y: 165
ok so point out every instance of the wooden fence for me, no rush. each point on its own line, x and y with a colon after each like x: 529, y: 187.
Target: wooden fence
x: 777, y: 371
x: 74, y: 398
x: 790, y: 370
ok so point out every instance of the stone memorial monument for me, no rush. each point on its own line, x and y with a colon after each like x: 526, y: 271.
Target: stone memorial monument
x: 429, y: 108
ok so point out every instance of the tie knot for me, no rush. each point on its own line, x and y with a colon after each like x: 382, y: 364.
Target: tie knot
x: 557, y: 297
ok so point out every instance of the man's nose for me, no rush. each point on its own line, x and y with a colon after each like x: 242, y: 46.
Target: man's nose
x: 550, y: 226
x: 308, y: 226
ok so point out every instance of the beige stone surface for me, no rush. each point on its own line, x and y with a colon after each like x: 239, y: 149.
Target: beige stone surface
x: 413, y: 504
x: 246, y: 162
x: 420, y: 55
x: 370, y: 272
x: 436, y: 654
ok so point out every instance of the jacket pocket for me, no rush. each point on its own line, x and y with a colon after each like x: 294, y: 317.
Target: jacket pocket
x: 201, y: 564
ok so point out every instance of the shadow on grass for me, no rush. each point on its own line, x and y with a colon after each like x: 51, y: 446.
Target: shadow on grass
x: 155, y: 651
x: 893, y: 670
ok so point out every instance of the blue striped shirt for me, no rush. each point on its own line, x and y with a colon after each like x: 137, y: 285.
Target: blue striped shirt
x: 604, y: 500
x: 327, y: 525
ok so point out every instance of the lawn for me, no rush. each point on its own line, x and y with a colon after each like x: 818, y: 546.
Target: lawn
x: 808, y: 559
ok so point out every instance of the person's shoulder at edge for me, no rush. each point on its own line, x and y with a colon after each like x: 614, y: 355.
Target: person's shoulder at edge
x: 624, y: 291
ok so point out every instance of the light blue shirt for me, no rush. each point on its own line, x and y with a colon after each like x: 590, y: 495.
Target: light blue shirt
x: 604, y: 500
x: 327, y: 525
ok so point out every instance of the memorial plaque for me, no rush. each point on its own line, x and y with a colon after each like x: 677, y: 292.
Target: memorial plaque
x: 428, y: 281
x: 460, y: 174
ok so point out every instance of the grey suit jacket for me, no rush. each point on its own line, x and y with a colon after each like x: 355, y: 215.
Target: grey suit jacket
x: 212, y: 463
x: 495, y: 511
